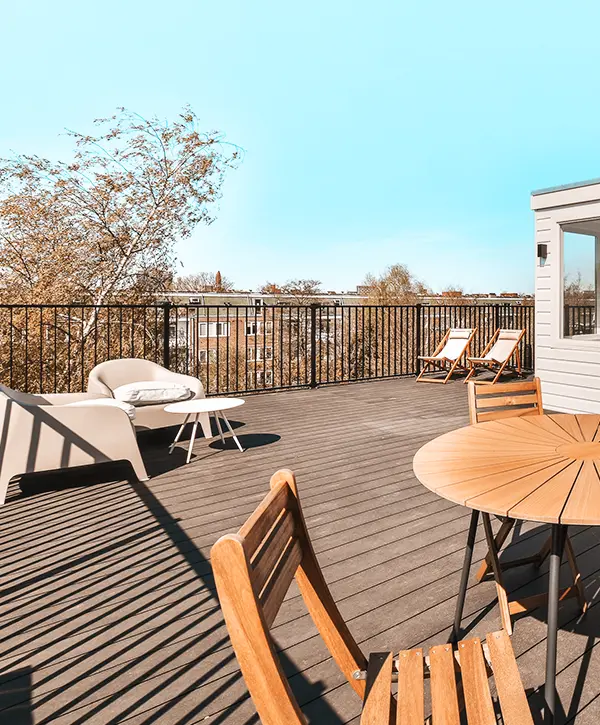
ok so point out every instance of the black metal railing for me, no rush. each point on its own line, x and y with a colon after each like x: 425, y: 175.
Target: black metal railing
x: 239, y: 349
x: 579, y: 320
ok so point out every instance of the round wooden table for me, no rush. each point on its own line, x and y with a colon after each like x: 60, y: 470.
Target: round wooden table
x: 535, y: 468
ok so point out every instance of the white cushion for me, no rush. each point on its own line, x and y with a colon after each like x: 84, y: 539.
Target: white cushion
x: 129, y: 409
x: 152, y: 392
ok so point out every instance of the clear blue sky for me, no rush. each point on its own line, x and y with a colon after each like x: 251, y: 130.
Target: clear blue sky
x: 375, y: 132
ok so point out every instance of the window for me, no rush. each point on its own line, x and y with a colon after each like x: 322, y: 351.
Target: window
x: 263, y: 377
x: 580, y: 286
x: 254, y: 328
x: 261, y: 353
x: 205, y: 355
x: 264, y: 353
x: 213, y: 329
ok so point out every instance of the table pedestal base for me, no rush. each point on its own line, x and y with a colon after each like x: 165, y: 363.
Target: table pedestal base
x: 558, y: 543
x: 507, y: 609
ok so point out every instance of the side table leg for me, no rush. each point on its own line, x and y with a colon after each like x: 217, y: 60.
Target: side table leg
x: 194, y: 429
x: 238, y: 444
x: 179, y: 432
x: 218, y: 422
x: 464, y: 579
x: 558, y: 543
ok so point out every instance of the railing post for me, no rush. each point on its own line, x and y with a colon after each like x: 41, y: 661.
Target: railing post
x: 496, y: 316
x: 417, y: 347
x: 313, y: 345
x: 167, y: 334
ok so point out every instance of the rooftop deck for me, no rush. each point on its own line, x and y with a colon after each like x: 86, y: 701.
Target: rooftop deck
x: 108, y: 607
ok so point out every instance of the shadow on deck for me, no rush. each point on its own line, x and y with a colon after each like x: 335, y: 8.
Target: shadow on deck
x: 108, y: 607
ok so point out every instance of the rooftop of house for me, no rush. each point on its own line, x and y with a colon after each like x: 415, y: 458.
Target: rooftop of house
x: 350, y: 297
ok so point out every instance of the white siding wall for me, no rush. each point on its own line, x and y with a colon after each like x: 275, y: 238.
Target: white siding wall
x: 568, y: 368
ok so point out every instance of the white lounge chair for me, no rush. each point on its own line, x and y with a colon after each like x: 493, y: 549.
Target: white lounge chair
x: 499, y: 351
x: 52, y: 432
x: 454, y: 346
x: 107, y: 376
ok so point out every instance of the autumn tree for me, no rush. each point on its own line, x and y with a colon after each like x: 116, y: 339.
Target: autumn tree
x: 454, y: 295
x: 295, y: 291
x: 395, y: 286
x: 90, y: 229
x: 100, y: 228
x: 577, y: 292
x: 202, y: 282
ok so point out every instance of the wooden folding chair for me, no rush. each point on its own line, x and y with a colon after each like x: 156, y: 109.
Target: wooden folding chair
x: 499, y: 351
x: 453, y: 348
x: 489, y: 402
x: 253, y: 570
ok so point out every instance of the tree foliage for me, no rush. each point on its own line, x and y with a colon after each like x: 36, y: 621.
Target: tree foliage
x: 396, y: 286
x: 301, y: 291
x: 102, y: 227
x: 577, y: 292
x: 202, y: 282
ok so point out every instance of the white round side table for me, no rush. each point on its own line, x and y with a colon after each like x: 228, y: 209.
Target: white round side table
x: 190, y: 408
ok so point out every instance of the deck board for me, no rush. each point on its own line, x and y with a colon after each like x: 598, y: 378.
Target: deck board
x: 108, y: 604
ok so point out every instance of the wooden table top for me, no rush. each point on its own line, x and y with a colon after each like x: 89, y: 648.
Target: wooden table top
x: 534, y: 468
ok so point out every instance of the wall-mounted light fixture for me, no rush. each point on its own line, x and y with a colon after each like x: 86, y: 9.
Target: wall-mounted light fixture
x: 542, y: 253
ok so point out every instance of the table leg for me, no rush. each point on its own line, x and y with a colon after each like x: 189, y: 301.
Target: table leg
x: 218, y: 422
x: 194, y: 429
x: 238, y: 444
x: 179, y: 432
x: 556, y: 552
x: 497, y: 569
x: 464, y: 579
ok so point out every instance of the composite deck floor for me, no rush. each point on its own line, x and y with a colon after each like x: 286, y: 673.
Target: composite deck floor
x: 108, y: 606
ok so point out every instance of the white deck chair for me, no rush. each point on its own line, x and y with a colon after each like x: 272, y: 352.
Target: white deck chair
x: 503, y: 346
x: 454, y: 346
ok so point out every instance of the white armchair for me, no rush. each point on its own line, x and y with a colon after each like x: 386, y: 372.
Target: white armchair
x: 45, y: 433
x: 107, y: 376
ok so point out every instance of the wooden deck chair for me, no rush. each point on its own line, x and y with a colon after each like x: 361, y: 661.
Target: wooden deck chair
x: 499, y: 401
x: 253, y: 570
x: 454, y: 346
x: 499, y: 351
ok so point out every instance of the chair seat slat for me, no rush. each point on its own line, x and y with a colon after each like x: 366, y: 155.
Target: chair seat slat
x: 444, y: 695
x: 513, y: 701
x: 410, y: 708
x: 478, y: 700
x: 377, y: 707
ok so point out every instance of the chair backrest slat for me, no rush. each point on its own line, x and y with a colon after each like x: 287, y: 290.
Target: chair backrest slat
x: 253, y: 570
x: 504, y: 400
x: 269, y: 553
x: 258, y: 526
x: 486, y: 389
x: 279, y: 582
